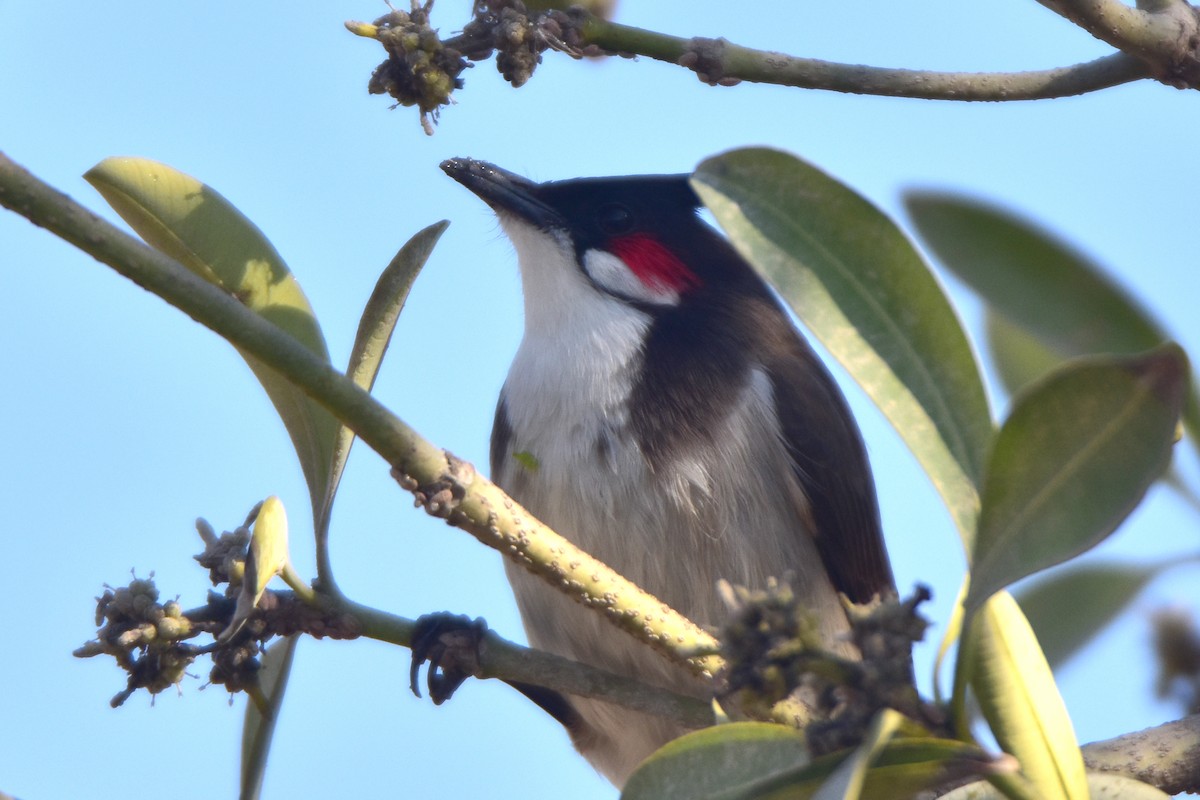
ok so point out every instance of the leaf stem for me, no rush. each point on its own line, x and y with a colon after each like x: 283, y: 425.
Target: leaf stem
x: 299, y: 586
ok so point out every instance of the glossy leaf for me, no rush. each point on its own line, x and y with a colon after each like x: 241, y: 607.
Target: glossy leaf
x: 717, y: 762
x: 196, y: 226
x: 1000, y: 659
x: 1068, y: 608
x: 1037, y: 281
x: 1075, y: 456
x: 259, y: 725
x: 375, y: 329
x: 864, y: 291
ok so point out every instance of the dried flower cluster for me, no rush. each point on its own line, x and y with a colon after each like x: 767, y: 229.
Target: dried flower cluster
x: 149, y: 639
x: 775, y: 655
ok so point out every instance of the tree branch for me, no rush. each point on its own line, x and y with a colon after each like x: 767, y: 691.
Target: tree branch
x: 446, y: 486
x: 1167, y: 756
x: 1164, y: 34
x: 717, y: 61
x: 508, y: 661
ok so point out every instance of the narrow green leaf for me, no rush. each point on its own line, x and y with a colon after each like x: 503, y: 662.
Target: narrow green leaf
x: 1075, y: 456
x: 1069, y: 608
x: 1037, y: 281
x: 949, y: 639
x: 865, y: 292
x: 375, y: 329
x: 195, y: 225
x: 1000, y: 659
x: 846, y: 782
x: 716, y: 762
x: 259, y: 724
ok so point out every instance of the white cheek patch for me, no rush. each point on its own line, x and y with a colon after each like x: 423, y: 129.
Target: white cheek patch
x: 614, y: 276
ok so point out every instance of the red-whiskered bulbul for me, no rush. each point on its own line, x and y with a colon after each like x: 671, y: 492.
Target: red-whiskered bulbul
x: 663, y: 413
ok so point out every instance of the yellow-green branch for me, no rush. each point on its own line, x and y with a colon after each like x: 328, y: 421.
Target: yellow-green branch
x: 447, y: 487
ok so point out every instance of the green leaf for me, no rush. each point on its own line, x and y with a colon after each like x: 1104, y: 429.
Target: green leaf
x: 1075, y: 456
x: 953, y: 631
x: 865, y: 292
x: 901, y: 767
x: 760, y: 761
x: 375, y: 329
x: 1037, y: 281
x: 716, y: 762
x: 259, y: 725
x: 1069, y: 608
x: 1000, y: 659
x: 846, y: 782
x: 1020, y: 357
x: 196, y: 226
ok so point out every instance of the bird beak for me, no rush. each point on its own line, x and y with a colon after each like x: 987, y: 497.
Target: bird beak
x: 504, y: 191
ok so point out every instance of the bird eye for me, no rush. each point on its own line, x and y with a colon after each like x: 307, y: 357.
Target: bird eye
x: 615, y: 219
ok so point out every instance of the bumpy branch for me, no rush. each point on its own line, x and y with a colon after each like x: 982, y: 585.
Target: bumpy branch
x: 1164, y: 34
x: 1167, y: 756
x: 444, y: 485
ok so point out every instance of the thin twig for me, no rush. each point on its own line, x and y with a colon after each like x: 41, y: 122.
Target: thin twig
x: 719, y: 61
x: 508, y: 661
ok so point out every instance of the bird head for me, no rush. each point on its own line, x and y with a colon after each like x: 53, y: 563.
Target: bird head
x: 637, y: 239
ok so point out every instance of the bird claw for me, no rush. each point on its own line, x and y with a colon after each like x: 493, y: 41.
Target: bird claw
x: 451, y: 644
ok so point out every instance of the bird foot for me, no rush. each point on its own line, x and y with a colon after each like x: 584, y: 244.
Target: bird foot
x: 451, y: 644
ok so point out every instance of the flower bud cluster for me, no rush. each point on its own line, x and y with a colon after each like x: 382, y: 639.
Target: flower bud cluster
x: 420, y: 70
x: 144, y: 636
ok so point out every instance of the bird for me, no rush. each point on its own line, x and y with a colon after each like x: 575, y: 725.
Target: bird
x: 664, y: 414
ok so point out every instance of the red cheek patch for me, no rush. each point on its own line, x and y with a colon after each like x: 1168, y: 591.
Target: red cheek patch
x: 654, y: 265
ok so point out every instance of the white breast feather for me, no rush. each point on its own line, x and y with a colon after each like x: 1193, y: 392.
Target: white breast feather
x: 565, y: 391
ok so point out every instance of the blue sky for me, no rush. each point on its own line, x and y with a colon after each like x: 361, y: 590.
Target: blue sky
x: 123, y: 420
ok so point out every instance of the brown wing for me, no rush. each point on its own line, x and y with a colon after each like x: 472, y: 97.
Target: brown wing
x: 831, y: 464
